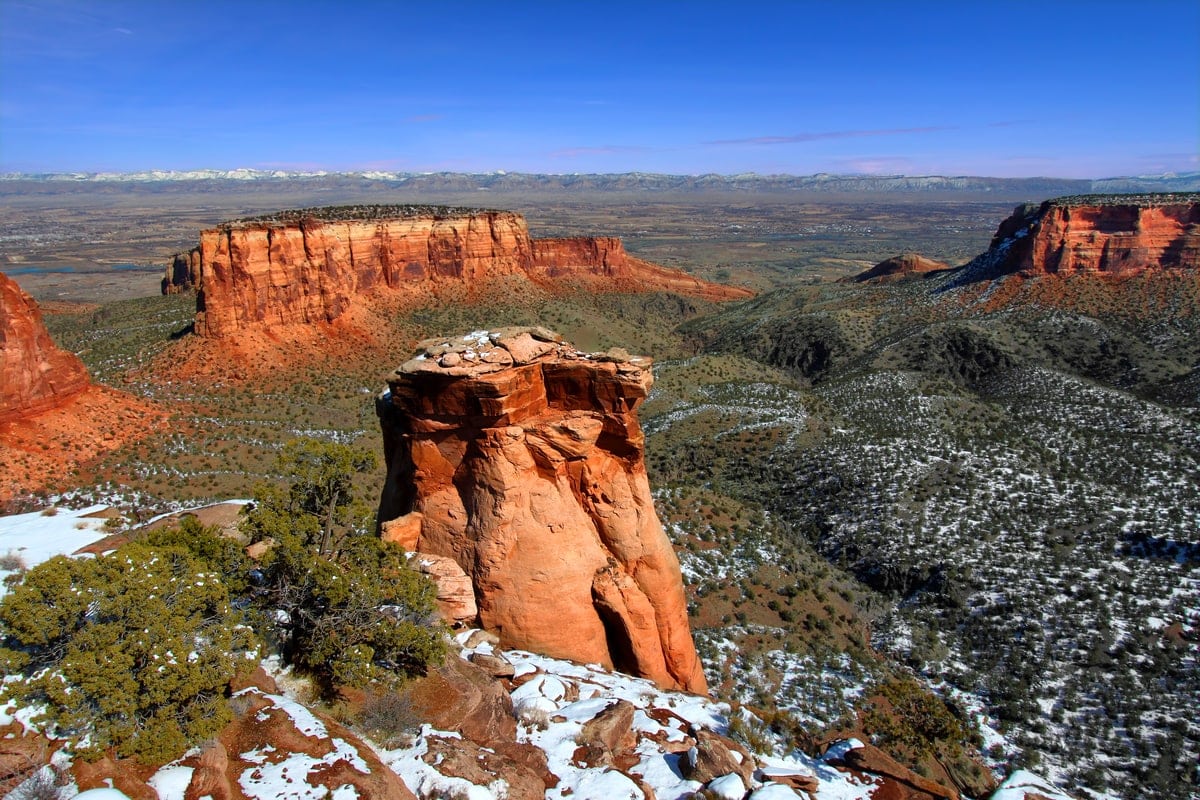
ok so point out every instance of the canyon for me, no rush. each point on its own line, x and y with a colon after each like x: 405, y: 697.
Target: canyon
x: 310, y: 265
x: 522, y: 459
x: 869, y: 437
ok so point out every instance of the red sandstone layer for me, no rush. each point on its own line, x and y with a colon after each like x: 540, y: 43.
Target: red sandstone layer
x: 1109, y: 237
x: 308, y: 269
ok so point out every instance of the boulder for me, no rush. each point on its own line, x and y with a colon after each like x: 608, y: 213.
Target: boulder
x: 495, y: 665
x: 462, y: 758
x: 403, y: 531
x: 607, y: 736
x: 714, y: 756
x: 899, y: 781
x: 455, y: 594
x: 797, y: 778
x: 460, y: 696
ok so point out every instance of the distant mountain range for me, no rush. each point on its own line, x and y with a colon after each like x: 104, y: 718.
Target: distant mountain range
x: 650, y: 182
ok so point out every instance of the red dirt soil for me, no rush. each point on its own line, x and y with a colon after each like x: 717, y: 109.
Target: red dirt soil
x: 37, y: 449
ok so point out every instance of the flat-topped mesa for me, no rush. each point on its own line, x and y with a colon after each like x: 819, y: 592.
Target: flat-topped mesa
x: 1111, y: 234
x: 35, y: 375
x: 521, y: 459
x: 310, y: 265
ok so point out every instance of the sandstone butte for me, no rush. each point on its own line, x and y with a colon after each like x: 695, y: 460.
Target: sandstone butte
x: 1107, y: 234
x: 900, y: 267
x: 35, y: 375
x: 311, y: 265
x: 521, y: 459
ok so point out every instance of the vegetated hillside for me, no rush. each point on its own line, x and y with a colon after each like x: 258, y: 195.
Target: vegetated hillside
x: 224, y: 435
x: 1017, y: 466
x: 779, y: 629
x: 926, y: 442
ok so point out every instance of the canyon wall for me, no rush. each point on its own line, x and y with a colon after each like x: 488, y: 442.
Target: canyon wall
x: 309, y: 266
x: 35, y: 375
x: 521, y: 459
x: 1118, y: 235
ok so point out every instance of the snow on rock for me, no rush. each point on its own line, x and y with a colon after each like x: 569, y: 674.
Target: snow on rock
x: 728, y: 787
x: 664, y: 727
x: 424, y: 780
x: 777, y: 791
x: 291, y: 753
x: 837, y: 751
x: 171, y: 782
x: 1022, y: 784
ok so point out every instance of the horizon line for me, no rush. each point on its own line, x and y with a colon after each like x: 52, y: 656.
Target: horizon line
x: 273, y: 172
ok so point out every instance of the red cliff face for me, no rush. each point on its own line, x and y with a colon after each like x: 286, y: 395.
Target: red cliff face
x: 35, y: 375
x: 521, y: 459
x: 1110, y: 235
x: 309, y: 266
x: 183, y: 272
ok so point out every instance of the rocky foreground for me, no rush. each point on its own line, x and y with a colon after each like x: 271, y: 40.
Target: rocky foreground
x: 495, y: 724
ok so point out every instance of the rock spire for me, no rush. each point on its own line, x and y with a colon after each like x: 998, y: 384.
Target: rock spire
x: 521, y: 459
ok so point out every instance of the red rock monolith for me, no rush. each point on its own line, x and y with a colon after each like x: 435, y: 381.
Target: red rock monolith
x: 524, y: 458
x: 1114, y: 235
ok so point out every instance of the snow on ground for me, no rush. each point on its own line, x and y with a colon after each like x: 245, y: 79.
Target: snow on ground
x: 277, y: 774
x: 30, y: 539
x: 1022, y: 782
x: 425, y: 781
x: 40, y: 535
x: 171, y: 782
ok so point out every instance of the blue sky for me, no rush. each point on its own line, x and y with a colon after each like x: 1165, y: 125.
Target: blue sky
x: 1061, y: 87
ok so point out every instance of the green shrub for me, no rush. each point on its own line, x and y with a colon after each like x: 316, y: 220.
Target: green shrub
x: 920, y: 720
x: 131, y: 651
x: 365, y: 618
x: 220, y: 554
